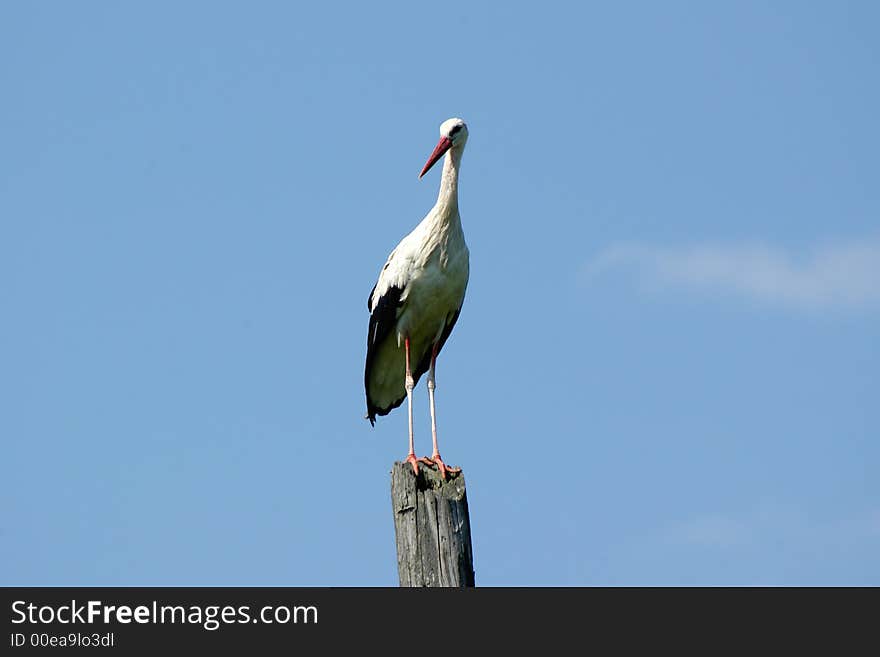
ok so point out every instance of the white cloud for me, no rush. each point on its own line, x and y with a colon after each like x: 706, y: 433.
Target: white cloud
x: 839, y: 275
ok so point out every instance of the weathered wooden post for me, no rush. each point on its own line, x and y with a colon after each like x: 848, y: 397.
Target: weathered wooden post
x: 432, y: 528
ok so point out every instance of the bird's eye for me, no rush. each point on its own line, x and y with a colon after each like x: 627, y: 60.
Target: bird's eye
x: 455, y: 129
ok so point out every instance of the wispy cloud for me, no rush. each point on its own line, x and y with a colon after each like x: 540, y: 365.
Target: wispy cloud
x: 774, y: 524
x: 713, y: 530
x: 837, y: 275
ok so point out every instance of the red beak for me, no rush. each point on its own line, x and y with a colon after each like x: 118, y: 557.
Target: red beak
x: 443, y: 145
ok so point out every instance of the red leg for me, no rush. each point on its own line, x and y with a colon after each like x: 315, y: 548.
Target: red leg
x: 411, y: 457
x: 435, y: 456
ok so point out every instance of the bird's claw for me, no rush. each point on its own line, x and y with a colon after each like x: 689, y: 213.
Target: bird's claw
x: 432, y: 461
x: 436, y: 461
x: 414, y: 462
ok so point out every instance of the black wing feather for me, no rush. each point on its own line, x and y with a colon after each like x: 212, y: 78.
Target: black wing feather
x: 382, y: 321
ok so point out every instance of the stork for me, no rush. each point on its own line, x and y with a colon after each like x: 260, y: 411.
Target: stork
x: 417, y: 299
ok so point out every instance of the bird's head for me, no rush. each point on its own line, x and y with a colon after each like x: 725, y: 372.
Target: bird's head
x: 453, y: 134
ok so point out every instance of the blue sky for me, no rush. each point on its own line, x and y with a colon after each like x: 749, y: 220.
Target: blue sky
x: 666, y: 368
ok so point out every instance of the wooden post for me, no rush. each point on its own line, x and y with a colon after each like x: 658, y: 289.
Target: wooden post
x: 432, y: 528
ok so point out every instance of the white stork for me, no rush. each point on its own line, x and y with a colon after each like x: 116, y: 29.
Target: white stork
x: 417, y: 299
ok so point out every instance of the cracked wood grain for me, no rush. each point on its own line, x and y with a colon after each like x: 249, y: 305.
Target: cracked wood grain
x: 432, y: 528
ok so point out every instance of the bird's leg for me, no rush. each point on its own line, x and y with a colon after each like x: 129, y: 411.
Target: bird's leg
x: 411, y: 457
x: 435, y: 456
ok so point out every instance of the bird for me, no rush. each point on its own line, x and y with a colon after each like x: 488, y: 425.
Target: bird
x: 417, y: 300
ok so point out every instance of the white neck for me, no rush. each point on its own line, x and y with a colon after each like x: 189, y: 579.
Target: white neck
x: 447, y: 199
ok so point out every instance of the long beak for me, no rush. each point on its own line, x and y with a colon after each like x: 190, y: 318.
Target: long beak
x: 443, y: 145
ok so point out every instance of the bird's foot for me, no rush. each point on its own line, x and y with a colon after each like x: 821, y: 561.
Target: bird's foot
x: 435, y: 460
x: 414, y: 462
